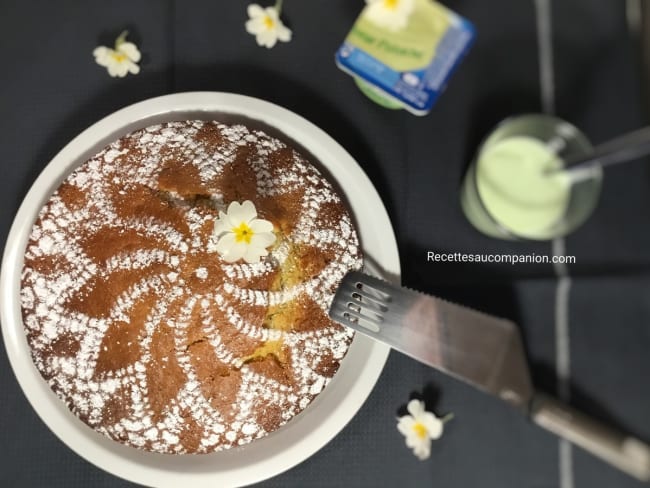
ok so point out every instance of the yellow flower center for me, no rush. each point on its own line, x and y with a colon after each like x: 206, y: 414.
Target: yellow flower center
x: 391, y: 4
x: 243, y: 233
x: 119, y: 57
x: 269, y: 23
x: 420, y: 430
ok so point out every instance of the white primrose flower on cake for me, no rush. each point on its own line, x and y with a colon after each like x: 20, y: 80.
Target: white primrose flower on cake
x: 240, y: 234
x: 420, y: 428
x: 266, y: 26
x: 121, y: 60
x: 391, y: 14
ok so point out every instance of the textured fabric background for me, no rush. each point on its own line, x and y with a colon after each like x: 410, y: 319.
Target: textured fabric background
x: 51, y: 89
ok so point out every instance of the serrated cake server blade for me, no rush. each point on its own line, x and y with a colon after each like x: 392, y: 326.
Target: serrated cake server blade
x: 482, y: 350
x: 477, y: 348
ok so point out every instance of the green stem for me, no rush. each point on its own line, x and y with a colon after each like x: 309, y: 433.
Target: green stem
x: 121, y: 38
x: 447, y: 418
x: 278, y: 6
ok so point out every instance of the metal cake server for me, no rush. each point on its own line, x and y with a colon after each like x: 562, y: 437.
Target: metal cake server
x: 484, y: 351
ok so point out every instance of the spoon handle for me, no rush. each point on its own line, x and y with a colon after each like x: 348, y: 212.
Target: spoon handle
x: 619, y: 150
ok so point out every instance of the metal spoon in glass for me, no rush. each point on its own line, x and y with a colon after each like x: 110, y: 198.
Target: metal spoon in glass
x: 625, y: 148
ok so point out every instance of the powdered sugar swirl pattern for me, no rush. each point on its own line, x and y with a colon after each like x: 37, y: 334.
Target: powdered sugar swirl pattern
x: 139, y: 327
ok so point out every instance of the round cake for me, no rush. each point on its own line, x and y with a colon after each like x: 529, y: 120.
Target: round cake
x: 176, y: 285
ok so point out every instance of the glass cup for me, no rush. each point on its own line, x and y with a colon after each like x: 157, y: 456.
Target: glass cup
x: 515, y: 187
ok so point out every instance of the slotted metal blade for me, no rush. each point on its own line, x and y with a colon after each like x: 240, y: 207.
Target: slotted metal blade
x: 480, y: 349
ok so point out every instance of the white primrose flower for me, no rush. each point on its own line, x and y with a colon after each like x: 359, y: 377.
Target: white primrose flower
x: 420, y: 428
x: 241, y: 234
x: 121, y: 60
x: 391, y: 14
x: 266, y: 26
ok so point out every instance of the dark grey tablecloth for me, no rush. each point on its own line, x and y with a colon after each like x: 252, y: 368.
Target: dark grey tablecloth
x: 50, y: 90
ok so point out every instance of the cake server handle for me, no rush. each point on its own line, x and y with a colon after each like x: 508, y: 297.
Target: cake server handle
x: 616, y: 448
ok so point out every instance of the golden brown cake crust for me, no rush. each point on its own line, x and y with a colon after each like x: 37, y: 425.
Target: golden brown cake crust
x: 144, y: 331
